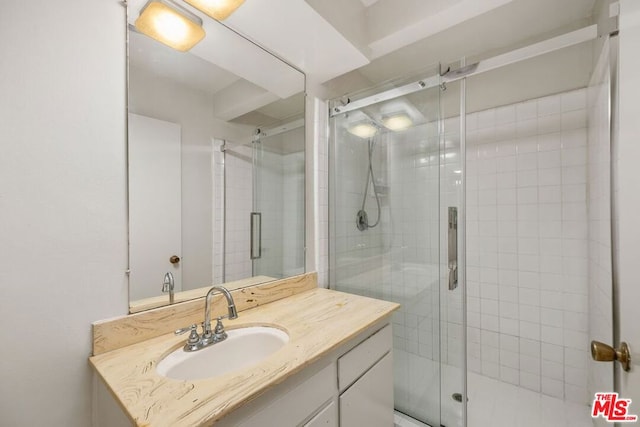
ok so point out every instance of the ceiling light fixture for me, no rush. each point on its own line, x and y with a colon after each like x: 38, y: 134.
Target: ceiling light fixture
x: 170, y: 24
x: 363, y: 130
x: 397, y: 122
x: 217, y: 9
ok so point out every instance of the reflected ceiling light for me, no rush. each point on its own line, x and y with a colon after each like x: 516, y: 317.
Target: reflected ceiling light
x: 397, y: 122
x: 170, y: 24
x: 217, y: 9
x: 363, y: 130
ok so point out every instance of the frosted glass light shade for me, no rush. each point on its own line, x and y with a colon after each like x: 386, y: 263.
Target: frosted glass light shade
x: 363, y: 130
x: 168, y: 26
x: 398, y: 122
x: 217, y: 9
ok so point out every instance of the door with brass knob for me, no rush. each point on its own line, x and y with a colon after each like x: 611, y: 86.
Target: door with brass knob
x: 601, y: 352
x: 155, y: 205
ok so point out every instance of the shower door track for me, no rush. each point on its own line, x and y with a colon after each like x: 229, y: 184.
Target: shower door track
x: 550, y: 45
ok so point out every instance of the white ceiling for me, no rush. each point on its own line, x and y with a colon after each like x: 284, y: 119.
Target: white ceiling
x: 352, y: 44
x: 392, y: 27
x: 516, y: 24
x: 189, y: 70
x: 296, y: 32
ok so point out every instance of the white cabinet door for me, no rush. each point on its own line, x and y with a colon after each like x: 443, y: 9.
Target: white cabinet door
x: 369, y: 401
x: 154, y: 204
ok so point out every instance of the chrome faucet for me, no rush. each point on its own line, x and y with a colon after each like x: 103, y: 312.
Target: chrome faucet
x: 168, y: 285
x: 196, y: 342
x: 208, y: 336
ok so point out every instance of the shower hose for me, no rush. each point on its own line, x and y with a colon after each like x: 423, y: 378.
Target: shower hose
x: 362, y: 220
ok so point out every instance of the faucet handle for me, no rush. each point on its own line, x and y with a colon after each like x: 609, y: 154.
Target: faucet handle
x: 219, y: 334
x: 193, y: 342
x: 187, y: 329
x: 194, y: 338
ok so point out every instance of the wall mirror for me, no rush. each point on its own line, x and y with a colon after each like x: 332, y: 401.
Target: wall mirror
x: 216, y: 162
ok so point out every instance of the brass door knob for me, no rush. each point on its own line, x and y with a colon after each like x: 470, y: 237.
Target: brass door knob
x: 174, y: 259
x: 601, y: 352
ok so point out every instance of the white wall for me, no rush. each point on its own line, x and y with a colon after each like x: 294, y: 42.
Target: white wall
x: 62, y: 202
x: 627, y: 195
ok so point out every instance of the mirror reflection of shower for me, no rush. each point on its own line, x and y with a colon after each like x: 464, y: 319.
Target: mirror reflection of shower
x: 362, y: 218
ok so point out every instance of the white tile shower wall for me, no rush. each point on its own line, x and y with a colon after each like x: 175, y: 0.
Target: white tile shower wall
x: 358, y: 254
x: 238, y: 195
x: 293, y: 214
x: 527, y: 249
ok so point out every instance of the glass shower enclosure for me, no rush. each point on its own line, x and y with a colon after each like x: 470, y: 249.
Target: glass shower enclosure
x: 395, y: 192
x: 500, y: 171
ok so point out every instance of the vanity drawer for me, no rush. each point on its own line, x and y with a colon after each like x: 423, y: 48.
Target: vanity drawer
x: 327, y: 417
x: 353, y: 364
x: 293, y: 403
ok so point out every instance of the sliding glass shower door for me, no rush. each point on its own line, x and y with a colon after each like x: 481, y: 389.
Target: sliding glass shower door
x: 277, y: 217
x: 395, y: 173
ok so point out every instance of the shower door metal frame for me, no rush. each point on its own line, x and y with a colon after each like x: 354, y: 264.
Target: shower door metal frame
x: 550, y: 45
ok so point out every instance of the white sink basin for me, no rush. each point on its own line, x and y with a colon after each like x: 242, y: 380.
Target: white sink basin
x: 242, y: 348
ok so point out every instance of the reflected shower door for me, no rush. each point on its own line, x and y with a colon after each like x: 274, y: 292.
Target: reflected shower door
x: 277, y: 217
x: 386, y: 234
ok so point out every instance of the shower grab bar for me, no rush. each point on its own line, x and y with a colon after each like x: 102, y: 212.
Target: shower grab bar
x: 453, y: 248
x: 256, y: 235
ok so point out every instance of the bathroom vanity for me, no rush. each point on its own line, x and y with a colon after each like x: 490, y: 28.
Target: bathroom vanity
x: 334, y: 370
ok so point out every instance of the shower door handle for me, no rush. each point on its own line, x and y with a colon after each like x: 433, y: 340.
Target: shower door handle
x: 256, y: 235
x: 453, y: 248
x: 453, y: 276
